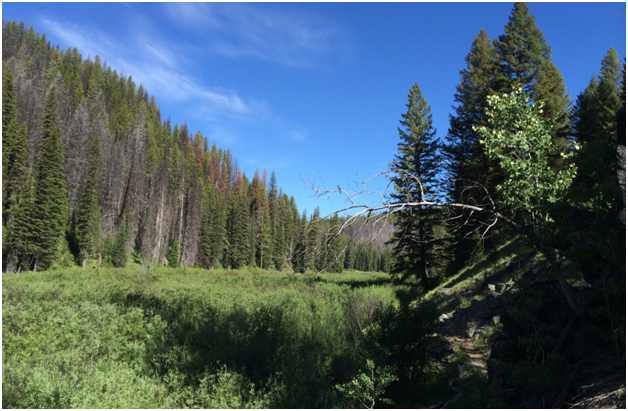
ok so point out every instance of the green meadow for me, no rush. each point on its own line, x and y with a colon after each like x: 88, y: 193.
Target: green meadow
x: 157, y: 337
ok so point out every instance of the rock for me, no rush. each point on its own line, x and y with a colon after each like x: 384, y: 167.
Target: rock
x: 497, y: 320
x: 471, y: 327
x: 491, y: 287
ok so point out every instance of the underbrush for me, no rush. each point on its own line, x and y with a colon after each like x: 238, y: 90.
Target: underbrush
x: 156, y: 337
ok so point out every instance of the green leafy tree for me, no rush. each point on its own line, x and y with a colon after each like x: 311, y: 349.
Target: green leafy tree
x: 520, y: 139
x: 415, y: 168
x: 369, y: 385
x: 50, y: 193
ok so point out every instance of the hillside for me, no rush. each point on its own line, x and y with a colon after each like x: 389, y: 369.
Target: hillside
x: 130, y: 182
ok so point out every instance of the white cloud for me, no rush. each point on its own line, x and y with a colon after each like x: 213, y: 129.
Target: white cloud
x: 155, y: 65
x: 264, y: 32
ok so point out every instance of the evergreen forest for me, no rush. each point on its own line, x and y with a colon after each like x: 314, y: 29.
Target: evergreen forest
x: 142, y: 268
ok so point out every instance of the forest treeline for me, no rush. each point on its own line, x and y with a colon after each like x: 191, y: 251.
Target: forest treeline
x: 517, y: 147
x: 90, y: 169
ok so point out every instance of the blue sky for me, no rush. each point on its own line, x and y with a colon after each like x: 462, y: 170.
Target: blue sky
x: 313, y: 91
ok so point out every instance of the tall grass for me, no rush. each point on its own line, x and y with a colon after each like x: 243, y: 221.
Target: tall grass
x: 150, y: 337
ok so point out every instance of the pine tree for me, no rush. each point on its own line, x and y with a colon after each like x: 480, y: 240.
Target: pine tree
x: 260, y: 223
x: 14, y: 168
x: 14, y: 141
x: 416, y: 167
x: 9, y: 102
x: 86, y: 221
x: 117, y: 254
x: 50, y: 195
x: 238, y: 230
x: 595, y: 128
x: 23, y: 244
x: 173, y: 255
x: 467, y: 164
x: 525, y: 61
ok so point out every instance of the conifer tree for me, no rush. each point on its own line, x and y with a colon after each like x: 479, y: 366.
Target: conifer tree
x: 86, y: 218
x: 525, y: 61
x: 9, y: 107
x: 595, y: 128
x: 415, y: 167
x: 173, y: 255
x: 238, y: 225
x: 117, y: 254
x: 14, y: 141
x: 23, y: 244
x: 466, y: 161
x: 50, y: 195
x: 260, y: 223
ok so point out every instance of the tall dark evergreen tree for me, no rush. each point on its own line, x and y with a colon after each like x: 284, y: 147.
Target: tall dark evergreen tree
x: 595, y: 129
x: 467, y: 164
x: 50, y: 192
x: 260, y: 223
x: 23, y: 244
x: 416, y: 168
x: 238, y: 229
x: 87, y: 222
x: 525, y: 60
x: 14, y: 142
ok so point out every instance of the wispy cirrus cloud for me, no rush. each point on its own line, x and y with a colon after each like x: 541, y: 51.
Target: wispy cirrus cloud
x: 159, y: 66
x: 268, y: 33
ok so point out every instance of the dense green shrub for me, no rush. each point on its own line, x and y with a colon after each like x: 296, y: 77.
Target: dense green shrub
x: 158, y: 337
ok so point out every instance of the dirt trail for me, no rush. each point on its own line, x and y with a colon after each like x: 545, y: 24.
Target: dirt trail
x: 477, y: 358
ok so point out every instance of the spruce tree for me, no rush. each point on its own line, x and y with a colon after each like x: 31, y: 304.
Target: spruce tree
x: 467, y: 164
x: 14, y: 142
x: 595, y: 129
x: 50, y: 192
x: 23, y: 243
x: 173, y: 255
x: 238, y: 230
x: 525, y: 61
x: 260, y: 223
x: 86, y: 218
x: 14, y: 167
x: 415, y: 168
x: 117, y: 255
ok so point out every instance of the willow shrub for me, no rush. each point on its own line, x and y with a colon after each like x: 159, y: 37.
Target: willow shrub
x: 157, y: 337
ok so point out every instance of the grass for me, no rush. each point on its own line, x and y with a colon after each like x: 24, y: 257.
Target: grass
x: 474, y: 277
x: 152, y: 337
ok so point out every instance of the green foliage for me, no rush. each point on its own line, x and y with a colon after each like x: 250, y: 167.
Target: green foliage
x: 524, y: 59
x: 520, y: 139
x: 415, y: 168
x: 168, y: 338
x: 594, y: 127
x: 369, y: 385
x: 173, y: 255
x: 86, y: 223
x: 115, y: 251
x: 50, y: 207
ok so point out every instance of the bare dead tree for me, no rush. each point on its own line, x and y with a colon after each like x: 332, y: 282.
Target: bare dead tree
x: 487, y: 213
